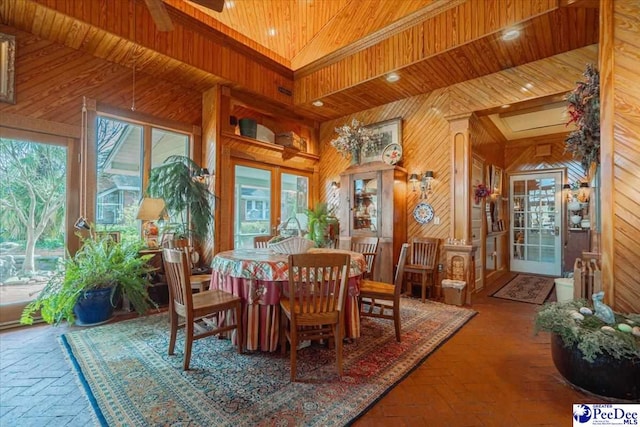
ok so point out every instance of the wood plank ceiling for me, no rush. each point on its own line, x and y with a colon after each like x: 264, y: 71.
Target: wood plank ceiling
x: 337, y: 51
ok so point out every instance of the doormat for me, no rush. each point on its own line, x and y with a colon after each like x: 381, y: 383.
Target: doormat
x: 524, y: 288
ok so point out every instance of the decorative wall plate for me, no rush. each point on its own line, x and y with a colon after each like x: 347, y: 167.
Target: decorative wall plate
x: 423, y: 213
x: 392, y: 154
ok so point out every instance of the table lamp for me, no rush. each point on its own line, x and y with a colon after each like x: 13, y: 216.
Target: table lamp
x: 151, y: 210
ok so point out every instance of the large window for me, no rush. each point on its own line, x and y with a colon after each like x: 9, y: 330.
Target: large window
x: 121, y: 166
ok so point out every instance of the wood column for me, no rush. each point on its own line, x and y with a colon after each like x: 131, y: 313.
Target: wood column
x: 461, y: 178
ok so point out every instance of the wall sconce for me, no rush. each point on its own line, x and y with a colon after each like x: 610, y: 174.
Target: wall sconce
x: 426, y: 183
x: 335, y: 185
x: 583, y: 193
x: 566, y: 189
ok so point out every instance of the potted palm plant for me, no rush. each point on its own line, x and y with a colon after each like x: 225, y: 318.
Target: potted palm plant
x: 178, y: 181
x: 88, y: 286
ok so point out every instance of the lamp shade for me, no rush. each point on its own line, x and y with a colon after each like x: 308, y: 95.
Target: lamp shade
x: 413, y: 177
x: 151, y: 209
x: 566, y: 187
x: 584, y: 185
x: 428, y: 174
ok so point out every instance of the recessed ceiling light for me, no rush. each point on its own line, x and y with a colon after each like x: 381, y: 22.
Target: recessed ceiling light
x: 229, y: 4
x: 506, y: 106
x: 317, y: 103
x: 510, y: 34
x: 393, y: 77
x: 271, y: 32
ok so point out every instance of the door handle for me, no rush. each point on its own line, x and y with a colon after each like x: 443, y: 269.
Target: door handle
x: 557, y: 230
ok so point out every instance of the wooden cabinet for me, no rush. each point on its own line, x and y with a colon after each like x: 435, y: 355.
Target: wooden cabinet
x: 373, y: 203
x: 578, y: 240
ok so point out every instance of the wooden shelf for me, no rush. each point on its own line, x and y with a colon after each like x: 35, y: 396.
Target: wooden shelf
x: 287, y: 152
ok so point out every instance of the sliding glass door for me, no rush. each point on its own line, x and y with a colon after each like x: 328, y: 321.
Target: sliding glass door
x: 264, y: 198
x: 33, y: 200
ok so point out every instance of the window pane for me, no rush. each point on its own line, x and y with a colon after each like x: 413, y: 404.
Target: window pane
x: 294, y: 198
x: 252, y: 205
x: 119, y: 172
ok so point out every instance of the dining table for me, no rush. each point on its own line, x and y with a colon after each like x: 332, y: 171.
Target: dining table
x: 260, y: 276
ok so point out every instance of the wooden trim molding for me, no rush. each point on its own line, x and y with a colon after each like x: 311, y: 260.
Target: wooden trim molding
x: 607, y: 142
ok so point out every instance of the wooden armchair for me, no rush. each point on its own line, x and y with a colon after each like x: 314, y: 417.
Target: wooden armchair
x: 314, y: 306
x: 196, y: 307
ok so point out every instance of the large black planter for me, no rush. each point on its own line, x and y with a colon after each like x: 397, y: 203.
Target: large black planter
x: 605, y: 376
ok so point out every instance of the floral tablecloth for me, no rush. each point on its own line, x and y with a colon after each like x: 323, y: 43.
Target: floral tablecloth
x: 258, y: 276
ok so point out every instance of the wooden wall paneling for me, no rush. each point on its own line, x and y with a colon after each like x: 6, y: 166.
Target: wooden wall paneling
x: 212, y: 116
x: 620, y: 154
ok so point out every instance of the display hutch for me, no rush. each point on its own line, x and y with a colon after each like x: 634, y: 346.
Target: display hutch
x: 374, y: 204
x: 578, y: 236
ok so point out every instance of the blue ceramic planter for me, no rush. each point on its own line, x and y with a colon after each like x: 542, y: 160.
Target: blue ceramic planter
x: 93, y: 307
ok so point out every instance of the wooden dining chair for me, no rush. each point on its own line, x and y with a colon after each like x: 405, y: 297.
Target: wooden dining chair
x: 199, y: 307
x: 367, y: 246
x: 313, y: 309
x: 260, y: 242
x: 199, y: 282
x: 422, y: 263
x: 382, y: 300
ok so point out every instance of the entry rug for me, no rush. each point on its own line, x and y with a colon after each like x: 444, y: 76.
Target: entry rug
x: 132, y: 381
x: 524, y: 288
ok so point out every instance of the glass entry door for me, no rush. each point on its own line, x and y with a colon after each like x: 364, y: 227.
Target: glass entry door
x: 264, y: 198
x: 536, y: 221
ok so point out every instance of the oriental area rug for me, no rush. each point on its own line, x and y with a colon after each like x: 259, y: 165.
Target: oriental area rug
x: 131, y: 380
x: 525, y: 288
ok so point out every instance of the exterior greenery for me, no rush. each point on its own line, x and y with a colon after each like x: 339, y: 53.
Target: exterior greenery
x: 560, y: 319
x: 173, y: 181
x: 98, y: 264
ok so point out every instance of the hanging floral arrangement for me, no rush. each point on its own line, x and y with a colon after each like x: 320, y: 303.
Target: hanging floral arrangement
x: 584, y: 109
x: 353, y: 138
x: 481, y: 192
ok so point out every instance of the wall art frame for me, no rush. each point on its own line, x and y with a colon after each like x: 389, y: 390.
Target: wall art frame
x: 388, y: 132
x: 7, y: 68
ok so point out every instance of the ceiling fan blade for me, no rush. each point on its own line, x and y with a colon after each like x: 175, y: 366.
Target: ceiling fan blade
x: 216, y: 5
x: 159, y: 14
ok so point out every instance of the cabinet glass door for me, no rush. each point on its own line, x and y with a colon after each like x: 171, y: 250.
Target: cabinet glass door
x: 365, y: 205
x: 536, y: 223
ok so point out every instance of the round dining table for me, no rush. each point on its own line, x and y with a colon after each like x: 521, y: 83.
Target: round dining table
x: 259, y: 276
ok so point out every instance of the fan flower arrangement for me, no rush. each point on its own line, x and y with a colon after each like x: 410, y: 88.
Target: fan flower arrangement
x: 481, y: 192
x: 353, y: 138
x: 584, y: 109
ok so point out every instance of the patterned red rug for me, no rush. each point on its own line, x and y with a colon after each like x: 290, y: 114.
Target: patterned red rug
x: 525, y: 288
x: 130, y: 379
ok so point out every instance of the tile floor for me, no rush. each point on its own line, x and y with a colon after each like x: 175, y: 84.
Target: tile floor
x: 494, y: 372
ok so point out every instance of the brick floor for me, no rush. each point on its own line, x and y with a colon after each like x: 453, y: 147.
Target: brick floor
x: 494, y: 372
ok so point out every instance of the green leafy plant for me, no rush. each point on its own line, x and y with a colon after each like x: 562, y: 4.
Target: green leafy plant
x: 319, y: 220
x: 99, y: 263
x: 174, y: 182
x: 587, y: 333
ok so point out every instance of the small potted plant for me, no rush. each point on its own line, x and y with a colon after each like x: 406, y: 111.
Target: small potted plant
x: 319, y: 223
x: 89, y: 284
x: 598, y: 353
